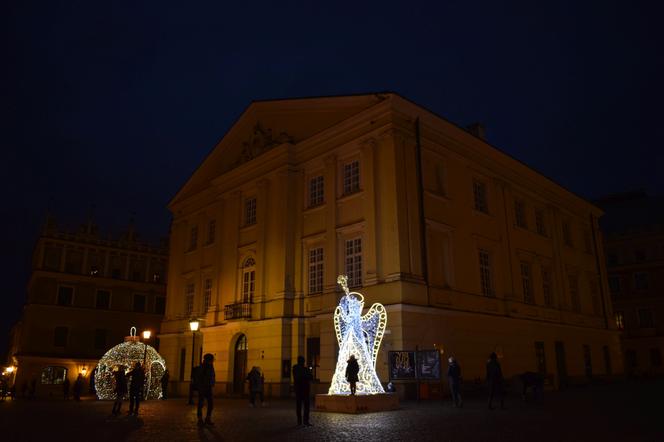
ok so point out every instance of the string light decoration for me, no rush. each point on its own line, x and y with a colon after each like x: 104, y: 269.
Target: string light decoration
x: 359, y: 336
x: 126, y: 355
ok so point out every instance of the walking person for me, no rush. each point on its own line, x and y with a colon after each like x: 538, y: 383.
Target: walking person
x: 65, y: 388
x: 494, y: 378
x: 120, y: 389
x: 454, y: 380
x: 136, y: 384
x: 164, y: 384
x: 78, y: 387
x: 302, y: 378
x: 205, y: 379
x: 256, y: 381
x: 352, y: 370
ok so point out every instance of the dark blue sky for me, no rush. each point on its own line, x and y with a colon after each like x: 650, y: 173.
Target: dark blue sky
x: 116, y: 103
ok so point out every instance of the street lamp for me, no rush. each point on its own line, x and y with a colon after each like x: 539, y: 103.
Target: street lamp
x: 193, y: 326
x: 146, y: 336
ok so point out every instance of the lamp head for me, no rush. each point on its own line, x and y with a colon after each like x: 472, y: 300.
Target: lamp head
x: 147, y: 334
x: 193, y: 325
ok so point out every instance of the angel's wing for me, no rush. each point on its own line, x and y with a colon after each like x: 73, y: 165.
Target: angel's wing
x: 373, y: 326
x: 339, y: 324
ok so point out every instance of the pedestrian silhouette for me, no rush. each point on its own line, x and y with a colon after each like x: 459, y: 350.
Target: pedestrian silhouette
x: 256, y: 381
x: 454, y: 380
x: 78, y: 387
x: 136, y: 384
x: 494, y: 378
x: 120, y: 389
x: 302, y: 378
x: 352, y: 370
x: 164, y: 384
x: 204, y: 383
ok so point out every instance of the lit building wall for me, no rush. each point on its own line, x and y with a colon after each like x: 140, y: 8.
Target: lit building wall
x: 351, y: 186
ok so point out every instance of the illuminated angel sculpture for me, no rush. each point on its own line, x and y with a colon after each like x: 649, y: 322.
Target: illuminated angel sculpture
x: 359, y: 336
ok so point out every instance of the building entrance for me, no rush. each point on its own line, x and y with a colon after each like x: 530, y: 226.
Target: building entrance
x: 240, y: 364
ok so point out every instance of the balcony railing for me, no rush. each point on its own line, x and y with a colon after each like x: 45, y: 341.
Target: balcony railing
x: 237, y: 311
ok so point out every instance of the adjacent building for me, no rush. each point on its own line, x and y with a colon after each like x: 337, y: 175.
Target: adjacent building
x: 83, y: 295
x: 470, y: 250
x: 634, y: 241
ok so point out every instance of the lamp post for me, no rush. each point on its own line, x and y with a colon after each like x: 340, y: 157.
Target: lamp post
x: 146, y: 336
x: 193, y: 326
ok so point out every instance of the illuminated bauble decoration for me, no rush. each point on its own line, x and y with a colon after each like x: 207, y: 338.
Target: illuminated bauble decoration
x: 126, y: 355
x: 359, y: 336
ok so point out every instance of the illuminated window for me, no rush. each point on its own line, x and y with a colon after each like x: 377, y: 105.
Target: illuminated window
x: 212, y: 227
x: 574, y: 292
x: 641, y: 281
x: 103, y: 300
x: 486, y: 274
x: 520, y: 214
x: 248, y: 280
x: 193, y: 238
x: 250, y: 211
x: 527, y: 283
x: 207, y: 293
x: 316, y: 191
x: 539, y: 222
x: 354, y: 262
x: 65, y: 295
x: 60, y: 336
x: 620, y: 320
x: 479, y: 194
x: 546, y: 287
x: 189, y: 298
x: 645, y: 318
x: 53, y: 375
x: 567, y: 234
x: 351, y: 177
x: 316, y: 270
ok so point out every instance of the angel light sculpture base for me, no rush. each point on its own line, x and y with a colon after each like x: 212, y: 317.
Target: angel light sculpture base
x: 358, y: 336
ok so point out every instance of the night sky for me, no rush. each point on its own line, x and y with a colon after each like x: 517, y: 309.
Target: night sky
x: 114, y: 104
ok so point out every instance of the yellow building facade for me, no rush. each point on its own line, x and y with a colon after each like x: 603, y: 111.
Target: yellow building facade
x: 84, y: 294
x: 470, y: 250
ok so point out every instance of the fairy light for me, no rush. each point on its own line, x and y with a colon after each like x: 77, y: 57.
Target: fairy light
x: 359, y: 336
x: 126, y: 355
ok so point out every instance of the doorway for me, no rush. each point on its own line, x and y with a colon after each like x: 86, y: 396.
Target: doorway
x: 561, y: 364
x: 240, y: 364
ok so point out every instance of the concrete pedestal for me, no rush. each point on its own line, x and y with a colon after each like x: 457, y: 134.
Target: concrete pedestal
x: 357, y: 404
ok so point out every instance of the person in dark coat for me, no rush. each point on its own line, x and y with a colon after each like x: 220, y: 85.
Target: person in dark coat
x: 454, y: 381
x: 120, y: 389
x: 78, y: 387
x: 204, y: 380
x: 164, y: 384
x: 352, y: 370
x: 136, y: 385
x: 302, y: 378
x: 256, y: 381
x: 65, y: 389
x: 494, y: 378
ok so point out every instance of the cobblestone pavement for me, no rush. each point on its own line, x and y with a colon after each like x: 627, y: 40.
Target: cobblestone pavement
x: 621, y: 412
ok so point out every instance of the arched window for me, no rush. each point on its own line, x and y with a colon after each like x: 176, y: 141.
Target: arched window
x: 248, y: 280
x: 53, y: 375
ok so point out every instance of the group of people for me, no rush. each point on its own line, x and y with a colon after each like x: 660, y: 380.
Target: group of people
x: 132, y: 382
x: 77, y: 390
x: 494, y: 378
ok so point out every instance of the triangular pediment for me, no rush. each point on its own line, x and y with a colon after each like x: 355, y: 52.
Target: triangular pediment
x: 267, y: 124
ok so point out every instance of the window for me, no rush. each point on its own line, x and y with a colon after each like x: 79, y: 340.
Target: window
x: 248, y: 280
x: 160, y: 305
x: 100, y: 339
x: 65, y: 295
x: 212, y: 227
x: 479, y: 193
x: 139, y: 303
x: 351, y: 177
x: 539, y: 222
x: 316, y: 270
x: 316, y: 191
x: 486, y: 276
x: 540, y: 357
x: 103, y: 300
x: 546, y: 287
x: 645, y: 318
x: 250, y: 211
x: 189, y: 298
x: 574, y: 292
x: 655, y: 357
x: 620, y: 320
x: 614, y: 284
x: 53, y: 375
x: 641, y: 281
x: 207, y: 294
x: 193, y: 238
x: 567, y: 234
x: 526, y: 283
x: 156, y: 277
x: 60, y: 336
x: 587, y: 243
x: 520, y: 214
x: 354, y: 262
